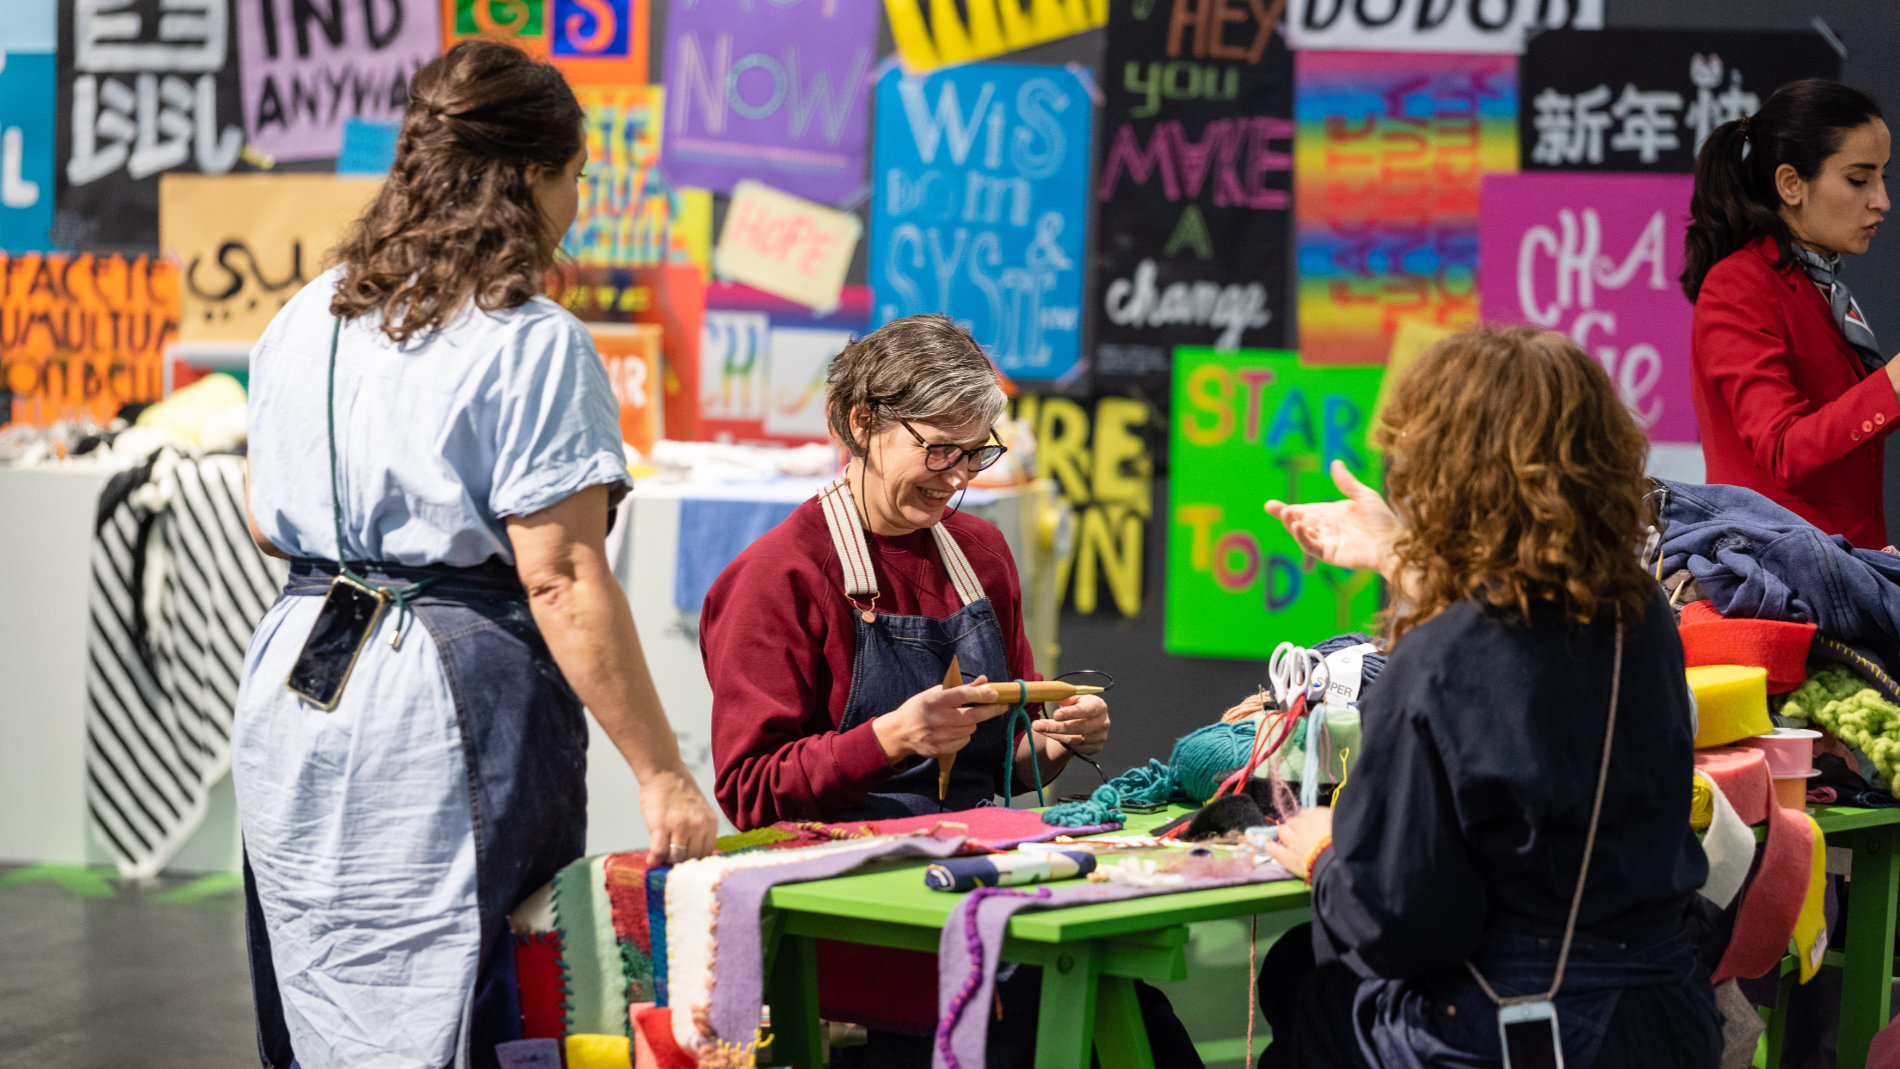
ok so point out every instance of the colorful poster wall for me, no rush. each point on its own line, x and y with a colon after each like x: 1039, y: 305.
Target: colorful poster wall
x: 1434, y: 25
x: 144, y: 88
x: 1247, y: 427
x: 1597, y: 257
x: 1194, y: 188
x: 1390, y: 154
x: 1101, y: 454
x: 672, y: 298
x: 982, y: 206
x: 951, y: 32
x: 778, y: 93
x: 245, y: 244
x: 1645, y: 100
x: 81, y: 336
x: 629, y: 214
x: 310, y: 66
x: 594, y: 42
x: 26, y: 150
x: 763, y: 361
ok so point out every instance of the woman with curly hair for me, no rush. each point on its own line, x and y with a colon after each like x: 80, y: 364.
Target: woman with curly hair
x: 1517, y: 826
x: 435, y: 447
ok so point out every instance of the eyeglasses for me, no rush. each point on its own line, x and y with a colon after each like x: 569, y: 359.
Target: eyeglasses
x: 945, y: 457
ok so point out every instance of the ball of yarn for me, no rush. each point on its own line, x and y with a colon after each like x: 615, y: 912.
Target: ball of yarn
x: 1203, y: 758
x: 1369, y: 668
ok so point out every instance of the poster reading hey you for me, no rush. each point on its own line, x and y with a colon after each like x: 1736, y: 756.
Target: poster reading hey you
x: 1392, y: 148
x: 309, y: 65
x: 778, y: 92
x: 1596, y: 257
x: 1194, y: 186
x: 980, y: 206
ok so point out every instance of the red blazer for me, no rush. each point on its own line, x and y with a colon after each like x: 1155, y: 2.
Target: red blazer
x: 1783, y: 402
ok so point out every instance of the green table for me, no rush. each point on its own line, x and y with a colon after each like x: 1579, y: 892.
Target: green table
x: 1866, y: 961
x: 1090, y: 955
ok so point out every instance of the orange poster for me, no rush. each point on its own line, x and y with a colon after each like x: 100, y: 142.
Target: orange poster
x: 594, y: 42
x: 84, y: 335
x: 631, y: 352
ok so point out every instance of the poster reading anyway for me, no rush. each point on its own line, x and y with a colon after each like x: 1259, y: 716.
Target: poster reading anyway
x: 1194, y: 187
x: 981, y: 208
x: 778, y: 92
x: 81, y: 336
x: 1248, y: 427
x: 1435, y: 25
x: 26, y: 150
x: 1392, y: 149
x: 955, y: 32
x: 310, y: 65
x: 145, y: 87
x: 1596, y: 257
x: 1645, y: 100
x: 245, y: 244
x: 594, y: 42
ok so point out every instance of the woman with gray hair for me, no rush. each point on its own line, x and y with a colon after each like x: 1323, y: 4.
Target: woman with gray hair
x: 826, y: 641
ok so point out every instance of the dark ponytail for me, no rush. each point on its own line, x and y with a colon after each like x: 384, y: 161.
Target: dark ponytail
x: 1735, y: 200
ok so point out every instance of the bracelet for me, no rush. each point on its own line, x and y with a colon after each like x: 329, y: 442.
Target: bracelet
x: 1312, y: 857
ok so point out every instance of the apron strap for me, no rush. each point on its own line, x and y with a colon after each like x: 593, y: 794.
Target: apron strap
x: 854, y: 553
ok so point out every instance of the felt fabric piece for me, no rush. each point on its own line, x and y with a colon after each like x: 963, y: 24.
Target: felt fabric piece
x: 715, y: 959
x: 656, y: 1032
x: 1731, y: 703
x: 626, y: 876
x: 642, y: 1048
x: 598, y: 1052
x: 1777, y: 646
x: 1885, y: 1051
x: 590, y: 955
x: 989, y: 827
x: 712, y: 534
x: 1810, y: 927
x: 1729, y: 846
x: 656, y: 929
x: 538, y: 975
x: 1741, y: 774
x: 973, y: 939
x: 1741, y: 1026
x: 529, y: 1054
x: 1773, y: 901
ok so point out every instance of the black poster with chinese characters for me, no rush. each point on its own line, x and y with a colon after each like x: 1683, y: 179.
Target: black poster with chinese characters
x: 1645, y: 100
x: 1194, y: 186
x: 145, y: 87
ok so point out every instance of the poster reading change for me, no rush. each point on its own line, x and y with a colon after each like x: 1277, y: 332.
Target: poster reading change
x: 1645, y: 100
x: 981, y: 205
x: 1194, y: 187
x: 1392, y: 148
x: 1248, y: 427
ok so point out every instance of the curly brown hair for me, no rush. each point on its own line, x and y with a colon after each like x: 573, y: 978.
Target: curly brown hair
x: 457, y: 219
x: 1517, y: 472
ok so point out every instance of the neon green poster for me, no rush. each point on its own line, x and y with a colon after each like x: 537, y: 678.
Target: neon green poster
x: 1249, y: 426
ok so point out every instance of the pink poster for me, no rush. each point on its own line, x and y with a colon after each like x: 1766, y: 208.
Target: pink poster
x: 309, y: 65
x: 1597, y: 257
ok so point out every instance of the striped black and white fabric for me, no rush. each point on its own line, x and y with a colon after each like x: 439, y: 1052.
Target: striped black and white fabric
x: 177, y: 589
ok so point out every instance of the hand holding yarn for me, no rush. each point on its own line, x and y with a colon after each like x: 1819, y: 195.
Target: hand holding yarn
x: 937, y: 721
x: 1080, y: 722
x: 1358, y: 532
x: 1300, y: 836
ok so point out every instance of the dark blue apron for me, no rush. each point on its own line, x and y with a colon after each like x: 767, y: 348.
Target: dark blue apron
x: 524, y: 743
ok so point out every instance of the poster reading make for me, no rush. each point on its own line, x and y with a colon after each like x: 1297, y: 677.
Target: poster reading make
x: 979, y: 208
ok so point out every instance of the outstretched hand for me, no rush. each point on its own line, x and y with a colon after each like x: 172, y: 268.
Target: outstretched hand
x: 1358, y: 532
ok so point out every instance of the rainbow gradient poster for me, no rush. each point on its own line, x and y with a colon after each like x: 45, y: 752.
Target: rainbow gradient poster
x: 1388, y: 162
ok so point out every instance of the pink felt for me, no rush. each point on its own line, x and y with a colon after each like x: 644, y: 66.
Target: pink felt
x: 991, y: 827
x: 1742, y: 776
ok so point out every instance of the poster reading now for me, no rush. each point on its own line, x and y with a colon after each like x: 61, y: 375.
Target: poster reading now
x: 1597, y: 257
x: 1248, y: 427
x: 981, y: 207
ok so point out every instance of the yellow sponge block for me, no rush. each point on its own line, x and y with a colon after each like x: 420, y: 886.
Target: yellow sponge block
x: 1731, y: 703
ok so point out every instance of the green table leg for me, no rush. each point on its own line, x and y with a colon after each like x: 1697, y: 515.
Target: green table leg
x: 1867, y: 973
x: 792, y: 992
x: 1065, y: 1026
x: 1121, y: 1038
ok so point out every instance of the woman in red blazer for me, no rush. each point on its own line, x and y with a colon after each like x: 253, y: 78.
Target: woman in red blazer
x: 1793, y: 396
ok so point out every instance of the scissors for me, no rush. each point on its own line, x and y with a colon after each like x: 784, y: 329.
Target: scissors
x: 1294, y: 672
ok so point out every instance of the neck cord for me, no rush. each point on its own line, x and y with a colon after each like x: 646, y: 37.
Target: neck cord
x: 1589, y: 846
x: 400, y: 593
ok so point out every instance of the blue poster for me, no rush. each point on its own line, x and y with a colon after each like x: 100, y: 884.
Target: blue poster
x: 980, y: 208
x: 26, y: 151
x: 30, y: 26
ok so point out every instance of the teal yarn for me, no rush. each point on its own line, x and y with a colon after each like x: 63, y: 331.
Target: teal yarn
x: 1009, y: 753
x: 1150, y: 785
x: 1203, y: 758
x: 1101, y: 808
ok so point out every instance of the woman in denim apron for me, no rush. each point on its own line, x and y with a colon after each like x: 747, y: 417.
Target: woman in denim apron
x: 424, y: 424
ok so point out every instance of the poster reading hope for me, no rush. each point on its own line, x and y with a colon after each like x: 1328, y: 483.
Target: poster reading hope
x: 981, y: 205
x: 1597, y: 257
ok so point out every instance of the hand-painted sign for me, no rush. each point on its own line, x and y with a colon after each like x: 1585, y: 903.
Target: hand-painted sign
x: 631, y: 352
x: 1645, y: 100
x: 762, y: 362
x: 981, y: 207
x: 310, y: 65
x: 629, y: 214
x: 1102, y: 456
x: 1194, y: 186
x: 1249, y: 427
x: 594, y: 42
x: 80, y: 336
x: 1434, y: 25
x: 1386, y: 176
x: 26, y: 150
x: 30, y: 26
x: 1597, y: 257
x: 245, y: 244
x: 786, y: 245
x: 144, y: 88
x: 978, y: 29
x: 778, y: 92
x: 672, y: 298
